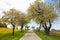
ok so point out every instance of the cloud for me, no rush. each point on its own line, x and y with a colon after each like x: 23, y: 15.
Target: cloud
x: 42, y: 0
x: 21, y: 5
x: 1, y: 8
x: 17, y: 4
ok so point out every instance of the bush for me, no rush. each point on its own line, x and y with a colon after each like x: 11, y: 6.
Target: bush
x: 3, y: 25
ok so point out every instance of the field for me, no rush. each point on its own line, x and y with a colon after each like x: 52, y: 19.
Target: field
x: 53, y: 35
x: 6, y: 34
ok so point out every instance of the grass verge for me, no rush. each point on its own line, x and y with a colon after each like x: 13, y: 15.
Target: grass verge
x: 53, y: 35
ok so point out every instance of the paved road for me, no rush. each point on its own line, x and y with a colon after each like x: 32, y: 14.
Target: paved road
x: 30, y: 36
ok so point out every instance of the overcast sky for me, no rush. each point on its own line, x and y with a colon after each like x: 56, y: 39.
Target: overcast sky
x: 21, y: 5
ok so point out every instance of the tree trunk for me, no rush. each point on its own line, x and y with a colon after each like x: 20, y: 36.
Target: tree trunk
x: 47, y: 32
x: 40, y: 27
x: 50, y: 24
x: 46, y: 28
x: 13, y: 29
x: 21, y: 27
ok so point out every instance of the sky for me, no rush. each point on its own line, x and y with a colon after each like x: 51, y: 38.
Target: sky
x: 22, y: 5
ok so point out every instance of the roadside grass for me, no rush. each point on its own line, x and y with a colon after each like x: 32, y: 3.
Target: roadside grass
x: 53, y: 35
x: 6, y: 34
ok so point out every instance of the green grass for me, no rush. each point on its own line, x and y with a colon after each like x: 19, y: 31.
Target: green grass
x: 53, y: 35
x: 8, y: 36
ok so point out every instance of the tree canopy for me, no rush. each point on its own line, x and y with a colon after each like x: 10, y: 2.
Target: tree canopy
x: 43, y: 14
